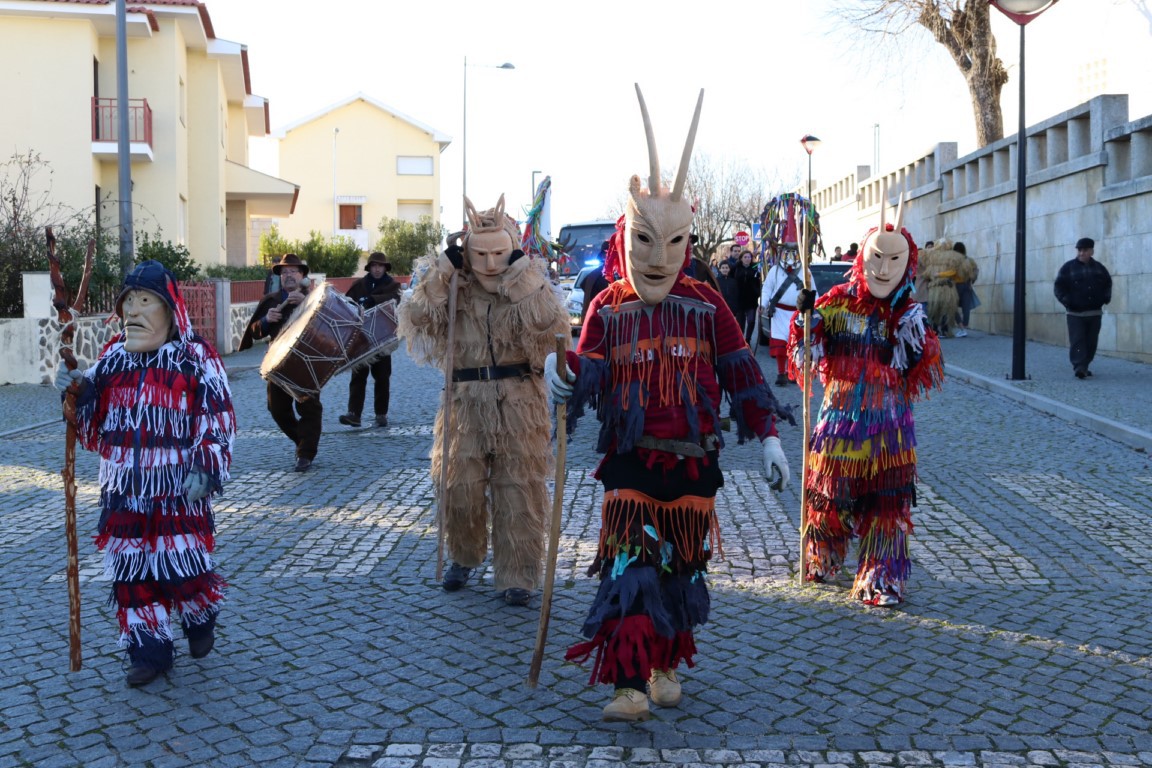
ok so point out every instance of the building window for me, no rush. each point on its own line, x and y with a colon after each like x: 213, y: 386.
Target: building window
x: 414, y: 166
x: 351, y: 217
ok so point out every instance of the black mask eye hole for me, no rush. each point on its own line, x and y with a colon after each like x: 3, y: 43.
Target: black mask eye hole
x: 678, y: 239
x: 643, y: 238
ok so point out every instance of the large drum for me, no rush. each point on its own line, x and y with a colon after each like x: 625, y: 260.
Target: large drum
x: 328, y: 334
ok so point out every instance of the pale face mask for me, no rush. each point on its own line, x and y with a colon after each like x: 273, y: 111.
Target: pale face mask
x: 885, y: 262
x: 147, y: 321
x: 488, y: 254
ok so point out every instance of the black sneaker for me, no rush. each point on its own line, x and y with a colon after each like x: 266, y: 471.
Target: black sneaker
x: 782, y: 380
x: 140, y: 674
x: 302, y: 465
x: 456, y: 577
x: 350, y: 419
x: 381, y: 420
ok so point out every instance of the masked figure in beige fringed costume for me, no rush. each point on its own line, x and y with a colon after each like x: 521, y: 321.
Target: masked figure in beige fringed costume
x: 940, y: 270
x: 499, y: 453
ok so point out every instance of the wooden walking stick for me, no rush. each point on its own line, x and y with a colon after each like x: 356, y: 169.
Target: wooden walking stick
x: 806, y: 384
x: 446, y: 426
x: 67, y: 316
x: 557, y: 507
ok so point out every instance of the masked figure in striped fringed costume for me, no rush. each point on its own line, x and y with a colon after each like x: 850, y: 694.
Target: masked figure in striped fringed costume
x: 875, y: 355
x: 658, y: 352
x: 157, y: 408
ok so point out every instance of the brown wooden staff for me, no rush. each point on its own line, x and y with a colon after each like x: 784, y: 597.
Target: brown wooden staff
x: 806, y: 384
x: 67, y: 316
x: 446, y: 426
x: 557, y: 508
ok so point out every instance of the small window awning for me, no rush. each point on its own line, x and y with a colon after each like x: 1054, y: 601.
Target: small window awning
x: 266, y: 195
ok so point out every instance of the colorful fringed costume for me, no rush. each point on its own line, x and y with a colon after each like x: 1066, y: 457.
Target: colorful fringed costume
x: 155, y: 418
x: 499, y: 440
x: 875, y: 357
x: 656, y: 375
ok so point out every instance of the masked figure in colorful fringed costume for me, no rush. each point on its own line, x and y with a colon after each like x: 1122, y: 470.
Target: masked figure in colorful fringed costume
x: 499, y: 449
x: 658, y: 352
x: 157, y: 408
x: 875, y: 355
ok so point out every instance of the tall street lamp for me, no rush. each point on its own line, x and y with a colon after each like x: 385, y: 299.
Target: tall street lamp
x: 810, y: 143
x: 1021, y: 12
x: 505, y: 65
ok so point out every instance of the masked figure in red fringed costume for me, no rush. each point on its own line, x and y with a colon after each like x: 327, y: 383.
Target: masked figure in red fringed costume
x: 157, y: 408
x: 658, y: 352
x: 875, y: 355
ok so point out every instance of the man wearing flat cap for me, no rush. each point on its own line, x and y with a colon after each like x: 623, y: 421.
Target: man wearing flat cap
x: 1083, y: 286
x: 301, y: 422
x: 377, y: 287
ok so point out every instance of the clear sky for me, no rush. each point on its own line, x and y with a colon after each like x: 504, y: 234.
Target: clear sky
x: 772, y: 71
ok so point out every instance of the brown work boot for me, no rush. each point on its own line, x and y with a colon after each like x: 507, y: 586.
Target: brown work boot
x: 628, y: 706
x: 664, y: 688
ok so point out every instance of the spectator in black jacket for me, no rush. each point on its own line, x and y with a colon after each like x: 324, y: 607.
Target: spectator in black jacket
x: 376, y: 287
x: 748, y: 284
x: 1083, y: 286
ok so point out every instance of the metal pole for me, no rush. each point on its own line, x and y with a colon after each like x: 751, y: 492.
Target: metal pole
x: 123, y: 144
x: 1018, y: 315
x: 465, y: 216
x: 465, y: 145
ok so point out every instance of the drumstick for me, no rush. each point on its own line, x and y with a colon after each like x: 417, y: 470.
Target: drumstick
x: 304, y: 283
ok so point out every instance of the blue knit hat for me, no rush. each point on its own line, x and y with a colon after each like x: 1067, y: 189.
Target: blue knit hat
x: 153, y: 276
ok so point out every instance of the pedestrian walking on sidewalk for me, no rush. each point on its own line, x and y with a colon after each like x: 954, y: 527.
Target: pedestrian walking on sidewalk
x: 377, y: 287
x: 157, y: 408
x: 875, y: 355
x: 1083, y: 285
x: 301, y: 422
x: 966, y: 273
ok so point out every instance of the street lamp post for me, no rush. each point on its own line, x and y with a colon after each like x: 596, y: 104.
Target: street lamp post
x: 335, y: 203
x: 809, y: 143
x: 505, y: 65
x: 1021, y: 12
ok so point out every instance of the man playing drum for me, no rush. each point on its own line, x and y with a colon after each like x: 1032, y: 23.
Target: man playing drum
x: 300, y: 421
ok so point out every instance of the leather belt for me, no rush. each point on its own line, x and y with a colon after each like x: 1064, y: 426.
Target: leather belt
x: 707, y: 443
x: 492, y: 372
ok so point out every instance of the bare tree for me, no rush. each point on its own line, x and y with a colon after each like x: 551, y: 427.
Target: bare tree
x: 963, y: 27
x: 729, y: 197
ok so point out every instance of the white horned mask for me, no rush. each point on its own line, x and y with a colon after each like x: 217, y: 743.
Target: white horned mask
x: 887, y: 258
x: 658, y: 221
x: 488, y: 245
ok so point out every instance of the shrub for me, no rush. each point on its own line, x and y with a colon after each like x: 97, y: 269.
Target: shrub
x: 172, y: 255
x: 273, y: 245
x: 403, y: 242
x: 229, y: 272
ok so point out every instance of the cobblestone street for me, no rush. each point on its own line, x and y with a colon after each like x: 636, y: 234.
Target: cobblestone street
x: 1026, y: 639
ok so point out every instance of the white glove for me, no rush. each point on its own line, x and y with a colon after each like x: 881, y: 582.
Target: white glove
x: 197, y: 485
x: 560, y: 389
x: 65, y: 377
x: 775, y: 464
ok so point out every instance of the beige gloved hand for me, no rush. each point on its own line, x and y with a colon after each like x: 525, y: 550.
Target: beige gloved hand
x: 775, y: 464
x: 197, y: 485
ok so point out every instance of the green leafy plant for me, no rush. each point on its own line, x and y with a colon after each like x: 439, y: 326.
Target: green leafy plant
x: 175, y: 256
x: 404, y: 242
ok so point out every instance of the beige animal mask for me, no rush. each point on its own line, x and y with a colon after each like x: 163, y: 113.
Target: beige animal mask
x: 658, y: 222
x: 885, y: 253
x: 492, y: 236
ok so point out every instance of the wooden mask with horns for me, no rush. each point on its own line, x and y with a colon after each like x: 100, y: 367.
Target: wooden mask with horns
x: 492, y: 236
x: 658, y: 222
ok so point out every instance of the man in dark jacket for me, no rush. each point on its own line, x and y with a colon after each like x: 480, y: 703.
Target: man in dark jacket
x: 377, y: 287
x: 1083, y: 286
x: 270, y: 317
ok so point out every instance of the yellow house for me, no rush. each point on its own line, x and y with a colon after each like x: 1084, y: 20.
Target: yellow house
x: 358, y: 161
x: 191, y: 111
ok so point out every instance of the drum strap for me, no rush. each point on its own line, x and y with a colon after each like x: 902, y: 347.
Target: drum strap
x: 492, y: 372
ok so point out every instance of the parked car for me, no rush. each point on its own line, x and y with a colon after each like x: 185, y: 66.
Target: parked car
x: 575, y: 301
x: 824, y: 277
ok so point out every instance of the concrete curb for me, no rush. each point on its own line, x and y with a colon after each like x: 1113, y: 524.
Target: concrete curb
x: 1122, y: 433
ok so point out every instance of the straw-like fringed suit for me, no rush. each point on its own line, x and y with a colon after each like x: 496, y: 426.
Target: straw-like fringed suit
x: 657, y: 375
x: 154, y: 417
x: 499, y: 448
x: 875, y: 357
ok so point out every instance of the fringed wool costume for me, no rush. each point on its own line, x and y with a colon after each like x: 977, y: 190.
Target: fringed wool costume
x: 499, y: 439
x: 155, y: 417
x: 656, y: 375
x: 875, y: 357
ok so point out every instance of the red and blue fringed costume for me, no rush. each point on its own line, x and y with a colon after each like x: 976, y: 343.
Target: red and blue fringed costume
x: 875, y: 357
x: 656, y: 376
x: 154, y: 417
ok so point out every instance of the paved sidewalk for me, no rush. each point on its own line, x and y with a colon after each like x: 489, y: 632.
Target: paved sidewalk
x: 1026, y: 639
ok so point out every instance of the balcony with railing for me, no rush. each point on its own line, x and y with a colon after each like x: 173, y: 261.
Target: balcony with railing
x: 106, y: 129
